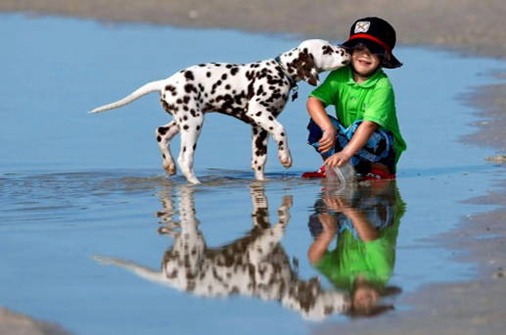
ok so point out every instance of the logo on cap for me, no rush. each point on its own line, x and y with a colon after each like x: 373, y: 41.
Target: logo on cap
x: 362, y: 27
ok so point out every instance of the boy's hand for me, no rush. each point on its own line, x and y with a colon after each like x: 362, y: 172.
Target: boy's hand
x: 328, y: 140
x: 337, y: 160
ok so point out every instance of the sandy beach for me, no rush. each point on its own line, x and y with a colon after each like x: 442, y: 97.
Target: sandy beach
x: 473, y: 307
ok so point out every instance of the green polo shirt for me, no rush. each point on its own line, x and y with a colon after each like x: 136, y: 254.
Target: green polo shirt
x: 373, y: 260
x: 372, y: 100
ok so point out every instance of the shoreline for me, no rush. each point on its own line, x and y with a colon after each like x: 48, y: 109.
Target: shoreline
x: 486, y: 312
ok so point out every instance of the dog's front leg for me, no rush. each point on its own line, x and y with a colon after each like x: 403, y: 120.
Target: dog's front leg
x: 268, y: 122
x: 259, y: 151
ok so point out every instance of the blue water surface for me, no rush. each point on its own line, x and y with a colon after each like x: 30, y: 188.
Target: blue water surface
x: 75, y: 186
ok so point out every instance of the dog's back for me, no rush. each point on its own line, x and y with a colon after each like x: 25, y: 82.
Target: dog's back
x: 225, y: 88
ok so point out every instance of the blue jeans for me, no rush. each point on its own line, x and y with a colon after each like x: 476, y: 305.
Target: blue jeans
x: 378, y: 149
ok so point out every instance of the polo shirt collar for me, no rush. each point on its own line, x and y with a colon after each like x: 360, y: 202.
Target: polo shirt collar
x: 370, y: 82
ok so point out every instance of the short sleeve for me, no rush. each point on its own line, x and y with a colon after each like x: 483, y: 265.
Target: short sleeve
x: 327, y: 92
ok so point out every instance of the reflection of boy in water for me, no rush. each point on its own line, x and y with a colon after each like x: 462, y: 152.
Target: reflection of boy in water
x: 366, y: 228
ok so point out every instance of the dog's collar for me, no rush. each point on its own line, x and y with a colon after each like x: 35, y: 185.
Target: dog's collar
x: 293, y: 83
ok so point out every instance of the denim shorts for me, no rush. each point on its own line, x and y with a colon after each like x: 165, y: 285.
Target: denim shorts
x: 378, y: 149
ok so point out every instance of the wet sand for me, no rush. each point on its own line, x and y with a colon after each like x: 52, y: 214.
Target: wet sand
x: 472, y: 307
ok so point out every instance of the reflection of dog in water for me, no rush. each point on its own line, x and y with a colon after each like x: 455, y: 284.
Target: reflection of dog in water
x: 255, y: 265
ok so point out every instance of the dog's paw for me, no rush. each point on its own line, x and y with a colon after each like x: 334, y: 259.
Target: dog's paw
x: 286, y: 160
x: 170, y: 169
x: 259, y: 175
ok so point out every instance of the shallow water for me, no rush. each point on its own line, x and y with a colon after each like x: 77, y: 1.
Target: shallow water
x: 79, y: 190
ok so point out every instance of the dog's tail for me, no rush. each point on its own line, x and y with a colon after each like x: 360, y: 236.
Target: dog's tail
x: 141, y: 91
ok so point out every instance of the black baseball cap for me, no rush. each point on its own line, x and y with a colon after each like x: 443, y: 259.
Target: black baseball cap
x: 379, y: 37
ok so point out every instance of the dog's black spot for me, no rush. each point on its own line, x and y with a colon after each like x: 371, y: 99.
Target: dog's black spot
x: 162, y: 130
x: 251, y: 92
x: 234, y: 71
x: 208, y: 74
x: 168, y: 108
x: 158, y: 138
x: 327, y: 50
x: 185, y: 127
x: 189, y: 88
x: 171, y: 89
x: 239, y: 97
x: 250, y: 75
x: 224, y: 76
x: 189, y: 75
x: 260, y: 147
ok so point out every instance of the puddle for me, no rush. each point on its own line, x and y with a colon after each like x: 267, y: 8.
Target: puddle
x: 78, y: 190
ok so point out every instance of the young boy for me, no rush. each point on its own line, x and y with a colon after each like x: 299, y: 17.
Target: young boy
x: 366, y: 131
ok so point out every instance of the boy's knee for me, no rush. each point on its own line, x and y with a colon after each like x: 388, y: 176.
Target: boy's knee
x: 315, y: 132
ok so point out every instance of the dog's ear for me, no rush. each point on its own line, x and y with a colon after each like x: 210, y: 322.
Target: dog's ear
x: 313, y: 78
x: 306, y: 69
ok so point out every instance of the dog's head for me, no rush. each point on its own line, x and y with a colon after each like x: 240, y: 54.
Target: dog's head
x: 314, y: 56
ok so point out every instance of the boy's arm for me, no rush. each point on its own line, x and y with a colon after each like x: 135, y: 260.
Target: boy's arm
x: 359, y: 139
x: 320, y: 245
x: 317, y: 112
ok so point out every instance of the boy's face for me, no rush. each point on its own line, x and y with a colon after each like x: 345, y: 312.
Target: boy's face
x: 364, y: 62
x: 365, y: 299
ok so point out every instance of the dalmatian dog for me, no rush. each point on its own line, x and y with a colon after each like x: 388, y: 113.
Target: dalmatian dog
x: 255, y: 265
x: 255, y: 93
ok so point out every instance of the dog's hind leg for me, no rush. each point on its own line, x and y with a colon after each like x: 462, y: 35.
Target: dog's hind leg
x: 190, y: 131
x: 164, y: 135
x: 259, y: 151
